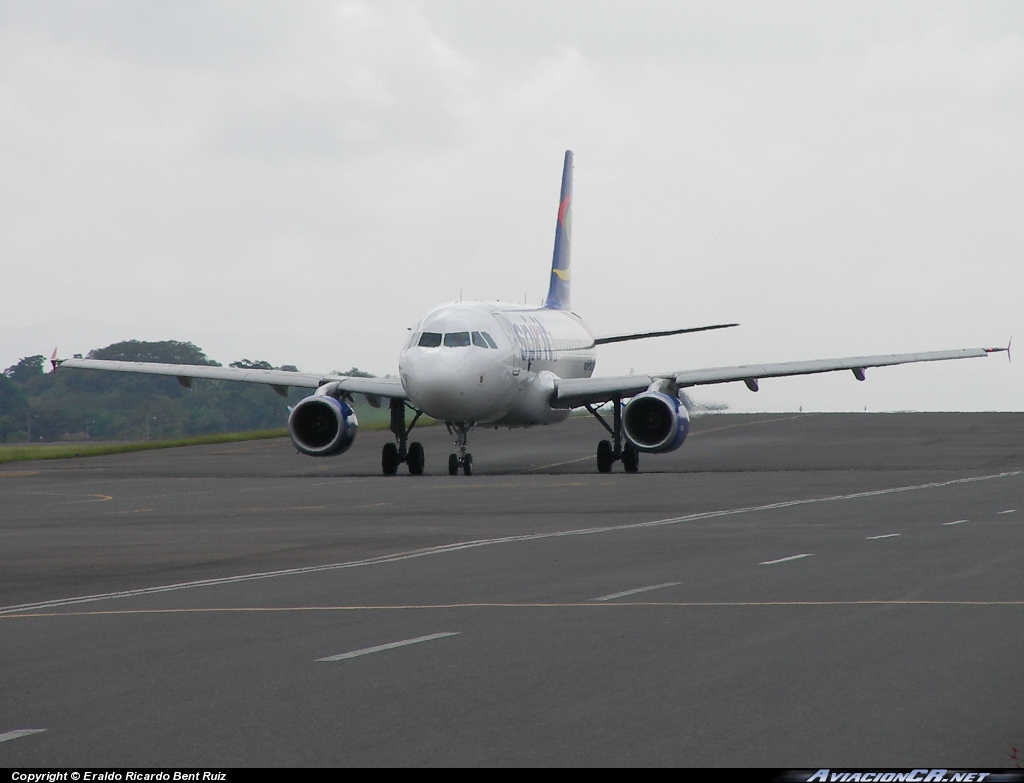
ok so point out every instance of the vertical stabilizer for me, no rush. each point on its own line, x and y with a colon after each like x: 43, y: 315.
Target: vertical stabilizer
x: 559, y: 289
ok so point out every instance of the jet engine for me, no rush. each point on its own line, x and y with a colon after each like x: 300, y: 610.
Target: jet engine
x: 322, y: 425
x: 656, y: 422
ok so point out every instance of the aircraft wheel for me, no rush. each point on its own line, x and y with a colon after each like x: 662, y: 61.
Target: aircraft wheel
x: 467, y: 466
x: 389, y: 459
x: 630, y: 458
x: 453, y: 464
x: 416, y: 459
x: 605, y: 457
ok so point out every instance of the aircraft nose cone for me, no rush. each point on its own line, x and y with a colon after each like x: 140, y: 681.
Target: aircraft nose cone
x: 447, y: 388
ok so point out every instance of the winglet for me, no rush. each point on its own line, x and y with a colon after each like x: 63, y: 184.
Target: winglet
x: 559, y: 287
x: 1002, y: 350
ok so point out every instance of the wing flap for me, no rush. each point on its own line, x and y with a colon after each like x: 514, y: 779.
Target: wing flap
x: 277, y: 379
x: 574, y: 392
x: 757, y: 371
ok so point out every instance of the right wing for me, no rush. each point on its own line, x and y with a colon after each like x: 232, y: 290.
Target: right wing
x: 279, y: 380
x: 573, y: 392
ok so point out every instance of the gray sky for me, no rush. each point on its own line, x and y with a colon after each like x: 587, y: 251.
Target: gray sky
x: 298, y: 182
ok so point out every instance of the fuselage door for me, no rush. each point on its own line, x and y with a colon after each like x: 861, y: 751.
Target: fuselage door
x: 510, y: 335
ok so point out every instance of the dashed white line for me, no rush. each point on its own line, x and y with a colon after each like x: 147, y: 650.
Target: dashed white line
x: 954, y: 523
x: 464, y: 545
x: 391, y: 646
x: 1009, y: 511
x: 634, y: 591
x: 887, y: 535
x: 9, y: 735
x: 784, y: 559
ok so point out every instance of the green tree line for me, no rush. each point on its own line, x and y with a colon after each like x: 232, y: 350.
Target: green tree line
x: 91, y: 404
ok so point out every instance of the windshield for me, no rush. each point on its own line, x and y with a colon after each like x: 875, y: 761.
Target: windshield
x: 456, y: 339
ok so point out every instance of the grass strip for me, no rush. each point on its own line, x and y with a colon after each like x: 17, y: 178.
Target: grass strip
x: 21, y: 453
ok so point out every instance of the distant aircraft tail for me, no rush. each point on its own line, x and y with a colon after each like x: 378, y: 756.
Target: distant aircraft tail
x: 559, y: 288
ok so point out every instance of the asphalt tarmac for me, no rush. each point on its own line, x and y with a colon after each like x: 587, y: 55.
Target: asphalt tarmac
x: 796, y: 591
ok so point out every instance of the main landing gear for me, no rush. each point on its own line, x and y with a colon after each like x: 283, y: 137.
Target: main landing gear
x: 463, y: 459
x: 609, y: 452
x: 409, y: 453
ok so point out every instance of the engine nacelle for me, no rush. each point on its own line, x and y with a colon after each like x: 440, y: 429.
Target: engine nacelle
x: 322, y: 425
x: 656, y: 422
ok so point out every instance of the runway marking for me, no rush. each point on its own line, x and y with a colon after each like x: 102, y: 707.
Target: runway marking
x: 132, y: 511
x: 786, y: 559
x: 954, y: 523
x: 634, y: 591
x: 503, y: 605
x: 17, y: 473
x: 391, y: 646
x: 475, y: 544
x: 887, y: 535
x: 1009, y: 511
x: 9, y: 735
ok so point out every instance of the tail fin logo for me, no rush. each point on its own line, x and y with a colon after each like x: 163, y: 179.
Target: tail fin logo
x: 558, y: 290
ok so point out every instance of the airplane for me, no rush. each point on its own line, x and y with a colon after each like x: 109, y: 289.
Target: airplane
x: 480, y: 364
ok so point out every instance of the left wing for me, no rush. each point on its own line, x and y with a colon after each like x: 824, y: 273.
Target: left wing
x: 573, y: 392
x: 621, y: 338
x: 279, y: 380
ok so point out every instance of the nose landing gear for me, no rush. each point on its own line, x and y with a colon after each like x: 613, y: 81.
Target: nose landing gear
x: 463, y: 459
x: 608, y: 453
x: 410, y: 453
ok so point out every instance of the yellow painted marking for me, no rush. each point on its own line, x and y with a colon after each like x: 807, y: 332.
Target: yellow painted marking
x: 18, y: 473
x: 95, y: 498
x: 514, y: 605
x: 278, y: 508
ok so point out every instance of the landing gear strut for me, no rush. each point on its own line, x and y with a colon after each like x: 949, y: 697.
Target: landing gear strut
x: 409, y: 453
x: 463, y: 459
x: 609, y: 452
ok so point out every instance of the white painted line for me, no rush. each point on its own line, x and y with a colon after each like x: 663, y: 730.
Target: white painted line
x: 1009, y: 511
x: 624, y: 593
x: 391, y: 646
x: 954, y: 523
x: 19, y: 733
x: 460, y: 546
x: 887, y: 535
x: 784, y: 559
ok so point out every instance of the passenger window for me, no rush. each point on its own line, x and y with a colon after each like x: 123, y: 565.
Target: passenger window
x: 430, y: 340
x: 456, y: 339
x: 478, y: 340
x: 490, y: 340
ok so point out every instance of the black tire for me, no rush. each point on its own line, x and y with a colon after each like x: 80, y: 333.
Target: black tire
x: 453, y: 464
x: 389, y: 459
x: 631, y: 458
x: 605, y: 457
x: 416, y: 459
x: 467, y: 466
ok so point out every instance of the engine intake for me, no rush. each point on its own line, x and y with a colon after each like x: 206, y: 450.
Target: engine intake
x: 322, y: 425
x: 656, y: 422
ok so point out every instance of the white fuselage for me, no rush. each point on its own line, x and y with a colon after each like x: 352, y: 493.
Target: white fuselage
x: 486, y: 363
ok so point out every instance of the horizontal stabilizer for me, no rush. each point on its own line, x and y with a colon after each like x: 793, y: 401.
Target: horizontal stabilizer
x: 621, y: 338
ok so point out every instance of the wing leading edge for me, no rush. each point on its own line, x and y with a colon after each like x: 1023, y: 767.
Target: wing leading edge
x: 279, y: 380
x: 571, y: 393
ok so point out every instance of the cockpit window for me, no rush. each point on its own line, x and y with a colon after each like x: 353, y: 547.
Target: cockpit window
x: 489, y: 339
x: 478, y: 340
x: 456, y: 339
x: 430, y: 340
